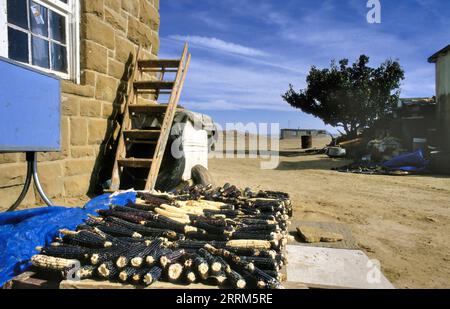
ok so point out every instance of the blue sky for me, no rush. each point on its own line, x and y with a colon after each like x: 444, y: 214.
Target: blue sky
x: 245, y: 53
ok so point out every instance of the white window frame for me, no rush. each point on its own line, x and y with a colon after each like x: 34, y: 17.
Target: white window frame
x: 71, y: 11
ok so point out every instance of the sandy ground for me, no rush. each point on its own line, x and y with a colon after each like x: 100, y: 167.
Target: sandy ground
x: 404, y: 222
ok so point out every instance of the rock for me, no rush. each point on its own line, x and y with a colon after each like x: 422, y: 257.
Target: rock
x: 201, y: 176
x: 431, y: 219
x: 315, y: 235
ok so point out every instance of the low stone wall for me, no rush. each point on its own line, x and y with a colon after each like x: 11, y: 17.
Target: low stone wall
x: 111, y: 31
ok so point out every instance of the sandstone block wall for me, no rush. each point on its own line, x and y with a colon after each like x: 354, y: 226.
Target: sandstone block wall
x: 111, y: 31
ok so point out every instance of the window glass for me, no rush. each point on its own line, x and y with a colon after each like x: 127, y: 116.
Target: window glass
x: 38, y: 19
x: 59, y: 58
x: 57, y: 27
x: 17, y: 13
x: 40, y: 52
x: 37, y: 34
x: 18, y: 45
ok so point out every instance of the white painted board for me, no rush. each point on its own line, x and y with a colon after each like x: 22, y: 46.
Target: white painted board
x: 334, y: 268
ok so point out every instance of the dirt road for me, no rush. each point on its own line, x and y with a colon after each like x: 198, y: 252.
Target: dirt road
x: 402, y: 221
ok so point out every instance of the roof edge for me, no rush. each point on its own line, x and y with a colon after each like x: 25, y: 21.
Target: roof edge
x: 434, y: 58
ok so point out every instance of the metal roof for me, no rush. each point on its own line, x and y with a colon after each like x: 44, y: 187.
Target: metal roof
x: 434, y: 58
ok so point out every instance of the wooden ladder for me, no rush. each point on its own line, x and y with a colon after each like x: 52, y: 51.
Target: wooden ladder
x: 154, y: 140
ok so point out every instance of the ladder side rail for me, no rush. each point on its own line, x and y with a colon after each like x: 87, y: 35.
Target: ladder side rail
x: 115, y: 180
x: 168, y: 120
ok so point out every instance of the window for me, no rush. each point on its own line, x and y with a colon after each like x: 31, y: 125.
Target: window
x: 43, y: 34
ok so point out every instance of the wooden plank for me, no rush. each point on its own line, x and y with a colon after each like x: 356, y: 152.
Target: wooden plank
x: 29, y: 280
x: 92, y: 284
x: 295, y: 286
x: 153, y: 85
x: 168, y: 119
x: 135, y: 163
x: 141, y: 134
x: 159, y: 63
x: 333, y: 268
x: 148, y: 109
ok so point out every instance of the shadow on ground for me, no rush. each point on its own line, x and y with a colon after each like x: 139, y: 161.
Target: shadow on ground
x: 309, y: 162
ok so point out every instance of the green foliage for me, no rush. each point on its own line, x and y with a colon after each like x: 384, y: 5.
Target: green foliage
x: 352, y: 97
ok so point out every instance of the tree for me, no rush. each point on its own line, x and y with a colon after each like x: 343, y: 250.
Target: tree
x: 351, y: 97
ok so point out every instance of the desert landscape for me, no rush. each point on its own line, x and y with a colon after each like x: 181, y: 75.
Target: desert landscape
x: 403, y: 222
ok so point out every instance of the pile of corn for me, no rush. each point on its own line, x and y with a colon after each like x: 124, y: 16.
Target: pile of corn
x: 224, y: 236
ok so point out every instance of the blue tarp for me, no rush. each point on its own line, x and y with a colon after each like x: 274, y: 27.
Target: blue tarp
x: 22, y: 231
x: 410, y: 162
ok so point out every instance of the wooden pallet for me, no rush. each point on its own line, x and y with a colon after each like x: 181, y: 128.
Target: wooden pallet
x: 30, y: 280
x: 146, y: 165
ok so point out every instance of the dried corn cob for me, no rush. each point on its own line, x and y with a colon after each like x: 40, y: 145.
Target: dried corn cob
x: 129, y: 217
x: 255, y: 235
x: 145, y: 214
x: 142, y: 230
x: 85, y: 239
x: 202, y: 235
x: 152, y: 199
x: 118, y: 230
x: 134, y: 251
x: 127, y: 274
x: 152, y: 276
x: 225, y: 266
x: 171, y: 257
x: 201, y: 266
x: 142, y: 207
x: 228, y: 213
x: 260, y: 228
x: 236, y: 280
x: 51, y: 263
x: 269, y: 281
x: 274, y: 274
x: 180, y: 218
x: 108, y: 270
x: 156, y: 255
x: 218, y: 278
x: 139, y: 275
x: 174, y: 272
x: 107, y: 255
x: 86, y: 272
x: 189, y: 276
x: 253, y: 280
x: 265, y: 263
x: 209, y: 228
x: 214, y: 264
x: 190, y: 244
x: 66, y: 252
x: 254, y: 244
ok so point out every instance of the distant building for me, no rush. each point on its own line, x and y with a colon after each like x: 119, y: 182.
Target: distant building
x: 442, y: 61
x: 415, y: 119
x: 298, y: 133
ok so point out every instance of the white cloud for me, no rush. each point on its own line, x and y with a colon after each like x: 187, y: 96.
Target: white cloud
x: 212, y: 85
x: 218, y: 44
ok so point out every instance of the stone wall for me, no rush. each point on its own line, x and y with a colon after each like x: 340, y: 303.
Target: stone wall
x: 111, y: 31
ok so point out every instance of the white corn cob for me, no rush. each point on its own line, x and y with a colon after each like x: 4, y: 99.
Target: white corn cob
x: 52, y: 263
x: 248, y: 243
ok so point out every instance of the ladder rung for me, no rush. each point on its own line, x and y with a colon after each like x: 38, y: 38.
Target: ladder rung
x: 161, y: 63
x: 141, y: 142
x: 135, y: 163
x: 148, y: 108
x: 151, y: 109
x: 156, y: 85
x: 141, y: 134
